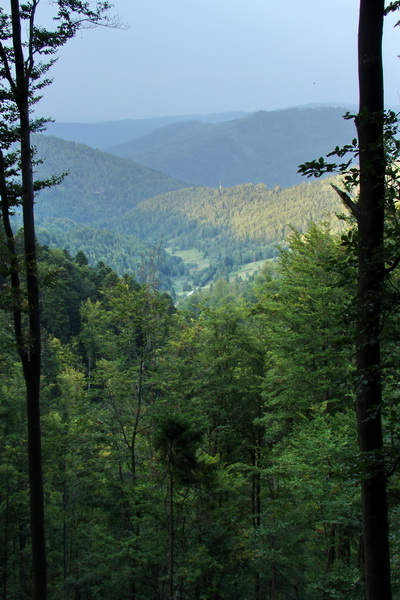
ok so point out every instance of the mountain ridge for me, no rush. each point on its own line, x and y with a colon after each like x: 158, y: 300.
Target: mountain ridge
x: 104, y: 134
x: 263, y: 147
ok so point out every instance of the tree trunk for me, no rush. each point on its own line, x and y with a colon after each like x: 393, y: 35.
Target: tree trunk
x: 171, y: 536
x: 370, y: 218
x: 31, y: 366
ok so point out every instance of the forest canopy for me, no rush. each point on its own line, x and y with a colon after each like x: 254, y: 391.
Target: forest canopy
x: 224, y: 431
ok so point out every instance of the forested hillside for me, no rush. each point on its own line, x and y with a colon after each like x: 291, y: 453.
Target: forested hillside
x: 99, y: 186
x: 197, y: 452
x: 244, y: 211
x: 229, y: 227
x: 263, y: 147
x: 125, y: 254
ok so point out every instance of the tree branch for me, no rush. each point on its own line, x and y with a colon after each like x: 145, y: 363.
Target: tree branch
x: 347, y: 201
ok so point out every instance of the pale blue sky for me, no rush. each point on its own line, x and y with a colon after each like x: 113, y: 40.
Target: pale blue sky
x: 209, y: 56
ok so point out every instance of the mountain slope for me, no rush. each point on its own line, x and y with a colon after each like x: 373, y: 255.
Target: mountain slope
x: 188, y: 217
x: 263, y: 147
x: 99, y: 186
x: 217, y: 231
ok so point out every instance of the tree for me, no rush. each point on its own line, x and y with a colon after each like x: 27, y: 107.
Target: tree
x: 311, y: 535
x: 374, y: 178
x: 370, y: 215
x: 22, y: 76
x: 212, y: 371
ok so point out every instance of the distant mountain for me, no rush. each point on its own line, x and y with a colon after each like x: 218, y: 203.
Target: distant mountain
x: 264, y: 147
x: 110, y: 133
x: 99, y: 187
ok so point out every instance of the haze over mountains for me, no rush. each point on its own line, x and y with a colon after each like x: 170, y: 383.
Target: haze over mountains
x: 263, y: 147
x: 103, y: 135
x: 227, y: 149
x: 210, y: 192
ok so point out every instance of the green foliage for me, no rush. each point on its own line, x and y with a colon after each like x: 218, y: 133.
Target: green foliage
x: 65, y: 284
x: 177, y: 440
x: 223, y: 431
x: 308, y: 416
x: 308, y: 307
x: 124, y: 254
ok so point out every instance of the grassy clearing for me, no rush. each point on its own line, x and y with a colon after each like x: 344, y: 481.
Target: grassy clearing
x: 245, y: 271
x: 191, y: 256
x: 196, y: 259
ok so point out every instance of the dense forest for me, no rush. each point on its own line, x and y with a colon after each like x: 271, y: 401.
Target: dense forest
x: 240, y: 443
x: 196, y: 450
x: 125, y: 254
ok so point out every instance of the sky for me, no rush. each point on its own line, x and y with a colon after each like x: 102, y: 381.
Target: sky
x: 180, y: 57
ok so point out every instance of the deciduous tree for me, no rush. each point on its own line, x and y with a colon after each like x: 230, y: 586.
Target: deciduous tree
x: 372, y: 179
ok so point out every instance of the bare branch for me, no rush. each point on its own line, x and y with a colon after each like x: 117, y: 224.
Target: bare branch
x: 8, y: 74
x: 347, y: 201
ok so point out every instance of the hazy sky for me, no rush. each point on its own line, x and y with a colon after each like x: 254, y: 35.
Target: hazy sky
x: 209, y: 56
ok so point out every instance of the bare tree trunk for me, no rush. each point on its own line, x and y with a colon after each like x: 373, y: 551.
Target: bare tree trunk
x: 171, y: 536
x: 370, y: 218
x: 256, y: 507
x: 32, y: 360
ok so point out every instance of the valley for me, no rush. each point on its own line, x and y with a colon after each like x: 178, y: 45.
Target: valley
x: 118, y: 211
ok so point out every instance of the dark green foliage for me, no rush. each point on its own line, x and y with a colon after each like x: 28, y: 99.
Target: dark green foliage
x: 178, y: 439
x: 65, y: 284
x: 211, y: 451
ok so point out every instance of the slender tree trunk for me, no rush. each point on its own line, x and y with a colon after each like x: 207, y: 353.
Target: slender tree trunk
x: 31, y: 366
x: 171, y: 536
x: 256, y: 508
x: 5, y: 538
x: 370, y: 217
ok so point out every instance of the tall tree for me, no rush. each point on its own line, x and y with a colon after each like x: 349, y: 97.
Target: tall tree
x: 22, y: 75
x: 370, y: 215
x: 375, y: 180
